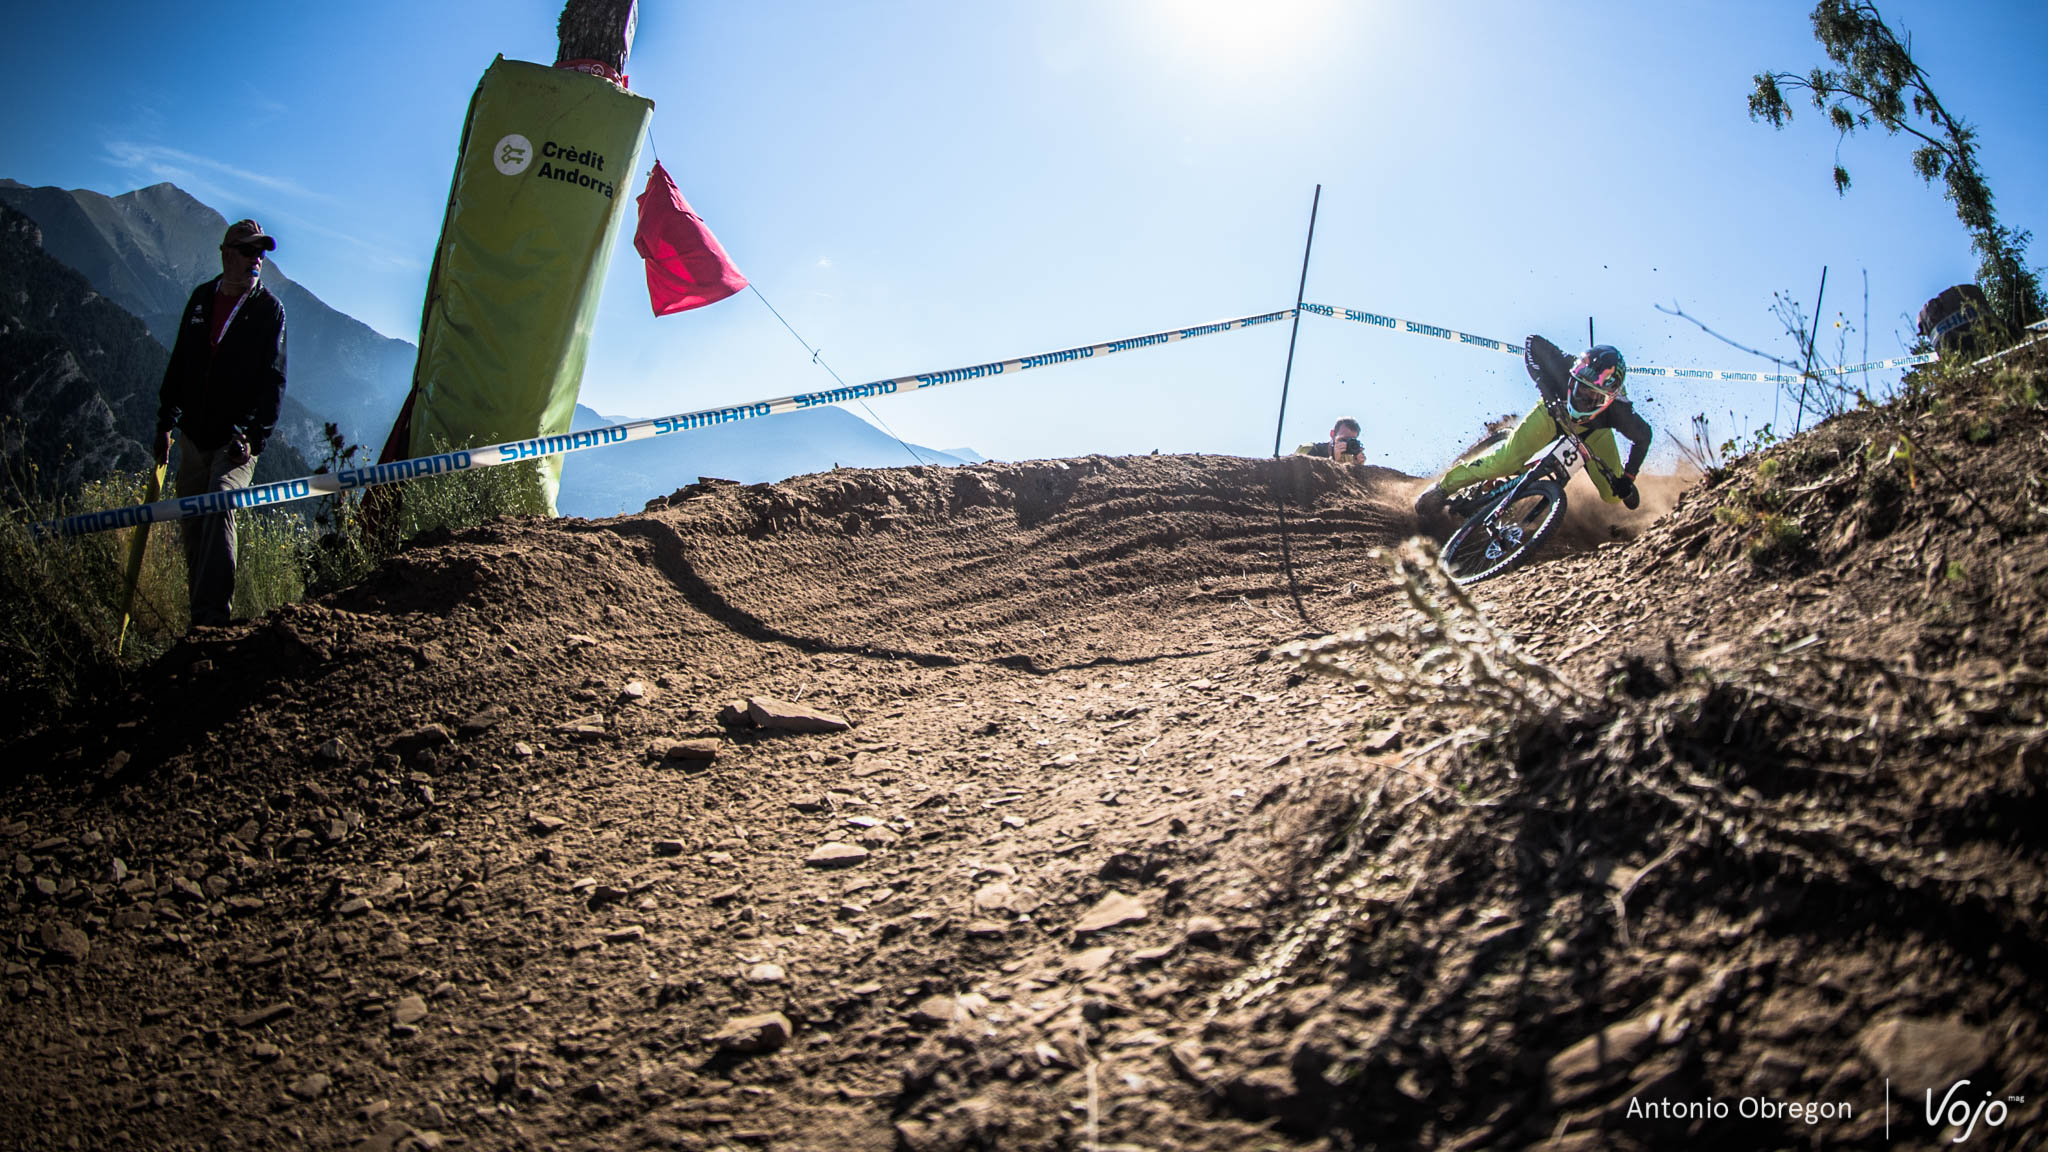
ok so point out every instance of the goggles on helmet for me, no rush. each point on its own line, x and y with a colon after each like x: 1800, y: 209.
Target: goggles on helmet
x: 1591, y: 391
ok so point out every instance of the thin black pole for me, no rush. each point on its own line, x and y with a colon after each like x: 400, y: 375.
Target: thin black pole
x: 1866, y: 330
x: 1288, y: 378
x: 1807, y: 374
x: 1590, y: 342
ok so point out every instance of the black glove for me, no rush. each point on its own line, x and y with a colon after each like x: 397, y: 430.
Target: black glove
x: 1625, y: 487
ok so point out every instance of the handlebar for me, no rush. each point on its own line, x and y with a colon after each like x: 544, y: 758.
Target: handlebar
x: 1557, y: 416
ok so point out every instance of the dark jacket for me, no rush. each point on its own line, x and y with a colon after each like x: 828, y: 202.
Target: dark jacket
x: 1551, y: 369
x: 211, y: 393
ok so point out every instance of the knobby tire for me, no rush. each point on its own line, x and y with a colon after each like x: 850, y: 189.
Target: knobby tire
x: 1537, y: 510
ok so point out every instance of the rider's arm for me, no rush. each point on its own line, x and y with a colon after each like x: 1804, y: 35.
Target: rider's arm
x: 1548, y: 366
x: 1630, y: 424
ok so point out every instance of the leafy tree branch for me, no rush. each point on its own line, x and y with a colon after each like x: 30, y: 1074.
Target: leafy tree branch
x: 1876, y: 82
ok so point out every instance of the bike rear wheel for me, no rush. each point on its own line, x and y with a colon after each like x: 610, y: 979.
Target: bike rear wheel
x: 1498, y: 538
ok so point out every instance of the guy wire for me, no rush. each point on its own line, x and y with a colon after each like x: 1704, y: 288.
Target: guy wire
x: 818, y: 359
x: 816, y: 355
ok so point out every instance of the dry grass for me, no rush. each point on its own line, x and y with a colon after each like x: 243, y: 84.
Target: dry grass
x: 61, y: 598
x: 1660, y: 764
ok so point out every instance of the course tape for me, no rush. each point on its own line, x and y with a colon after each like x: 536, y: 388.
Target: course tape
x: 1514, y: 348
x: 371, y: 475
x: 1415, y: 327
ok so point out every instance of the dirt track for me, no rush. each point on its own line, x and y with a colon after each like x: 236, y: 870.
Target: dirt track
x: 408, y: 865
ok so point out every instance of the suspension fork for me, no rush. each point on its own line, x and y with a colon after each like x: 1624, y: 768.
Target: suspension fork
x: 1506, y: 497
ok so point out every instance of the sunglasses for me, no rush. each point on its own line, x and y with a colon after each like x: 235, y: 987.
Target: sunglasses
x: 252, y: 251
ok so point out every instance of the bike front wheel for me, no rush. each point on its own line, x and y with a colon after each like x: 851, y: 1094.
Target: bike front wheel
x: 1504, y: 533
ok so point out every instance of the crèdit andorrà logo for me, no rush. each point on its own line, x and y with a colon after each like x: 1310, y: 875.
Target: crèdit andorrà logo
x: 512, y: 154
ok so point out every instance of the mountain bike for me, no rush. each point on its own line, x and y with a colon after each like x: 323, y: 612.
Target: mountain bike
x: 1509, y: 518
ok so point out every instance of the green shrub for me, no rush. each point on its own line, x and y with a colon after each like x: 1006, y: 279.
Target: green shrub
x: 270, y: 559
x: 363, y: 528
x: 1777, y: 535
x: 2017, y: 386
x: 1735, y: 448
x: 61, y: 599
x: 1767, y: 532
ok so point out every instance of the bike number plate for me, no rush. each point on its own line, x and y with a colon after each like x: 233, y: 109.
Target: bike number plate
x: 1569, y: 452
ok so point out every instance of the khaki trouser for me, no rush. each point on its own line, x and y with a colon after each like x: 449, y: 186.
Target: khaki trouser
x: 210, y: 539
x: 1531, y: 436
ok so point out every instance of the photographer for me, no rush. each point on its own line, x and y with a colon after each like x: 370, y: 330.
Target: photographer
x: 1342, y: 445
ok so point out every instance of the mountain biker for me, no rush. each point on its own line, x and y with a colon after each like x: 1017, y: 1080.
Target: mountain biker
x: 1589, y: 397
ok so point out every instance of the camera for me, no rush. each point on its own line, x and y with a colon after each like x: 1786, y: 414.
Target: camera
x: 1348, y: 446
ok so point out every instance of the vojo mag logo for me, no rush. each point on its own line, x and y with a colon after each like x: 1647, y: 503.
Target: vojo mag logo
x: 512, y: 154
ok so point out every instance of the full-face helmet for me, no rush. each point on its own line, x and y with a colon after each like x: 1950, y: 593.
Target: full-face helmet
x: 1596, y: 382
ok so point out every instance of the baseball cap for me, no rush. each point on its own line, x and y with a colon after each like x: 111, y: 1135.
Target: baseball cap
x: 248, y: 232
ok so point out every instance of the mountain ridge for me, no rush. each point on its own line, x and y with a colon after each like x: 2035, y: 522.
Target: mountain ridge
x: 79, y: 375
x: 147, y: 249
x: 623, y: 478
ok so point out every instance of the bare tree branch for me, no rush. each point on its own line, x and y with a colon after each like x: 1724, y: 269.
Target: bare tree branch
x: 1679, y: 311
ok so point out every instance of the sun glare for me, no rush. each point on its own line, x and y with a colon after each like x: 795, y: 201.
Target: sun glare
x: 1236, y: 41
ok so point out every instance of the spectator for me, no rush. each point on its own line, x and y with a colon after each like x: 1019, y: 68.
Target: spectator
x: 221, y: 392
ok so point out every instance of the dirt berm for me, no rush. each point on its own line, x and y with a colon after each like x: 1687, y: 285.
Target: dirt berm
x: 1720, y: 829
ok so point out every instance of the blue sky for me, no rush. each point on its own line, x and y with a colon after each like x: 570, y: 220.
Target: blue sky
x: 921, y: 186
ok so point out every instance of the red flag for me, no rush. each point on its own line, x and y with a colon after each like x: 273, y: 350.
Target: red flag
x: 685, y: 266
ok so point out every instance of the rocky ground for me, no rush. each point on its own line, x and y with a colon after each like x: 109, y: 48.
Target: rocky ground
x: 1098, y: 803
